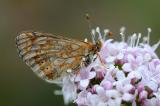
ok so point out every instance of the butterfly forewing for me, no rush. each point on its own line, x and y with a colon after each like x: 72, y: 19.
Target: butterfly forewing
x: 50, y: 56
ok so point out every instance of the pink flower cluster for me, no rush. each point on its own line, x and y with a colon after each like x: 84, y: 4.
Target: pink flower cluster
x: 128, y: 74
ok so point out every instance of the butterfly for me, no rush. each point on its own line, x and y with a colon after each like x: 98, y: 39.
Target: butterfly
x: 50, y: 56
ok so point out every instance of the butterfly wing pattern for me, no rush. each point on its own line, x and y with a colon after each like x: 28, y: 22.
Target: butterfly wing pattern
x: 49, y: 56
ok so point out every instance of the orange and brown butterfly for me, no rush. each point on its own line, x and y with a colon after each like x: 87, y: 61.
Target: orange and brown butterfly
x: 50, y: 56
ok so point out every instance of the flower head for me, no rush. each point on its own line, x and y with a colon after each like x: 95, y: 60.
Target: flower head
x: 128, y: 73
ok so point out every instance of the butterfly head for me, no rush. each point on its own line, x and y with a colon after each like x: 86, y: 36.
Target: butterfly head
x: 97, y: 46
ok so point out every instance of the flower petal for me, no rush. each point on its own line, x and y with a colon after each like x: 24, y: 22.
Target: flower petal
x: 84, y: 83
x: 128, y: 97
x: 91, y: 75
x: 120, y: 75
x: 127, y: 67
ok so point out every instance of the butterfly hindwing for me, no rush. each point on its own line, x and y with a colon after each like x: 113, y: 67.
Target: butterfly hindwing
x: 50, y: 56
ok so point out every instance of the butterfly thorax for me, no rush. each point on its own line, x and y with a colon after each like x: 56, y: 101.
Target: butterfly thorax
x: 95, y: 48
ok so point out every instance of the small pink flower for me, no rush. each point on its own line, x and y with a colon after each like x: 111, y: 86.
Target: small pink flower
x: 154, y: 69
x: 100, y: 72
x: 140, y: 88
x: 128, y: 97
x: 114, y: 98
x: 82, y: 98
x: 143, y: 95
x: 69, y: 90
x: 107, y: 85
x: 152, y: 102
x: 84, y: 77
x: 127, y: 67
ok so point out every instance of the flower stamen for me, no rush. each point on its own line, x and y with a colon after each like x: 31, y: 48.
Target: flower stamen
x: 148, y: 35
x: 122, y: 33
x: 139, y: 37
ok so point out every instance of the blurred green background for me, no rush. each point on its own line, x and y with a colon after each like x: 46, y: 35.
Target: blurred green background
x: 18, y: 85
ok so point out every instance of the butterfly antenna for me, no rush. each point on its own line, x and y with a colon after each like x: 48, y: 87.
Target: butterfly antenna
x: 88, y: 18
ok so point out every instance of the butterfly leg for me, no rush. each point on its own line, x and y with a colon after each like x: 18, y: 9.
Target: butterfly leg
x: 101, y: 61
x: 99, y: 57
